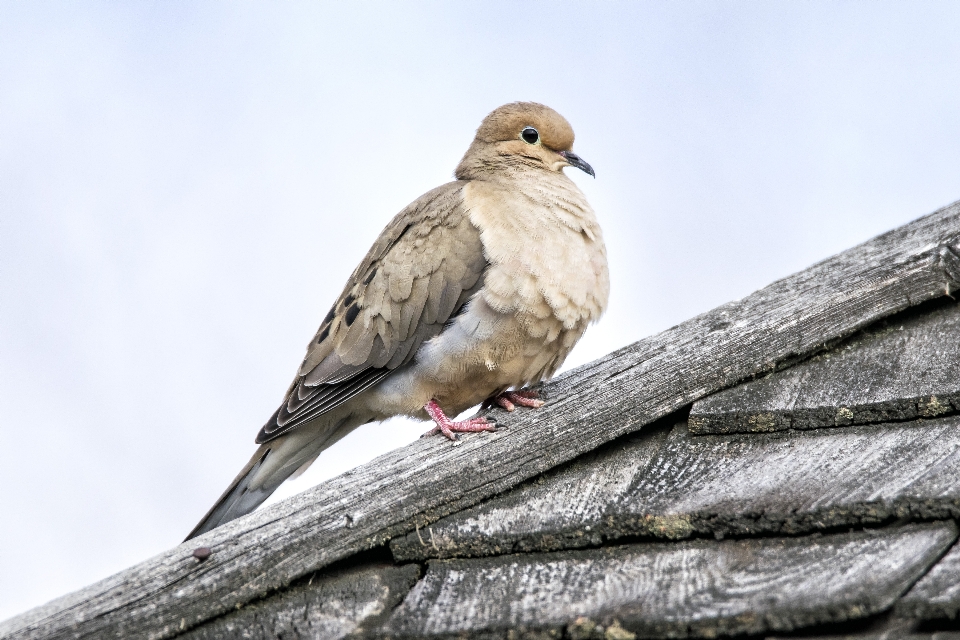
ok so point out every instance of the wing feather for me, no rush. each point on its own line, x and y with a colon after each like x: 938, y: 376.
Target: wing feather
x: 419, y: 273
x: 448, y: 299
x: 354, y: 348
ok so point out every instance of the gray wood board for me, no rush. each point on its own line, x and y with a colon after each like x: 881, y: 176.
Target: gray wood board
x: 937, y: 595
x: 698, y: 588
x: 326, y: 606
x: 795, y: 482
x: 899, y: 369
x: 562, y: 509
x: 586, y: 407
x: 736, y: 484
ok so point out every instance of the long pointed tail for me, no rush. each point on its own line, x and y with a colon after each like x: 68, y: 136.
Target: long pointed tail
x: 271, y: 464
x: 237, y: 500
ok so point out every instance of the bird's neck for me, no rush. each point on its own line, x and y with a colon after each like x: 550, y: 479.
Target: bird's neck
x: 537, y: 197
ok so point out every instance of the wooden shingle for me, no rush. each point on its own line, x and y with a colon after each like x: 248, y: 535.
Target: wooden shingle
x: 903, y: 368
x: 698, y: 589
x: 781, y: 483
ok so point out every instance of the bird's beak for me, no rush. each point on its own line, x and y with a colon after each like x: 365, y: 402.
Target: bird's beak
x: 576, y: 161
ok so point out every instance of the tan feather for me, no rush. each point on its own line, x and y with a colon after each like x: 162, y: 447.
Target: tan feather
x: 435, y: 289
x: 358, y: 341
x: 400, y: 295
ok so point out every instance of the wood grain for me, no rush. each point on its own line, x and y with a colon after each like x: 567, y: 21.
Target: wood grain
x: 418, y: 484
x: 564, y: 508
x: 900, y: 369
x: 795, y: 482
x: 698, y: 589
x: 783, y: 483
x: 937, y: 594
x: 326, y: 606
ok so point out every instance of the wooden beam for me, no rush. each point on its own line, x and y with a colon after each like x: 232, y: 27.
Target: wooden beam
x: 587, y: 407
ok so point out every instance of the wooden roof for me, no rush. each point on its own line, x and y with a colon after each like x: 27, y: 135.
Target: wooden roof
x: 783, y: 462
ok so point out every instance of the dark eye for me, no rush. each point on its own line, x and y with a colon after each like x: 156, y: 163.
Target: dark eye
x: 530, y: 135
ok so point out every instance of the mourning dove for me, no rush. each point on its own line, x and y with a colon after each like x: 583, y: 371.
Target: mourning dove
x: 478, y: 288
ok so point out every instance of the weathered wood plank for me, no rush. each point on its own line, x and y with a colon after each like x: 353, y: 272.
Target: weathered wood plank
x: 795, y: 482
x: 899, y: 369
x: 785, y: 483
x: 587, y: 407
x: 328, y: 607
x: 562, y: 509
x: 937, y: 595
x: 700, y: 588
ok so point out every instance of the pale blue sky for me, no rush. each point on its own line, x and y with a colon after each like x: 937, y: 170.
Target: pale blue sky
x: 185, y: 186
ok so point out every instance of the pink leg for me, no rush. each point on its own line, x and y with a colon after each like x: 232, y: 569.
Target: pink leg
x: 523, y: 397
x: 448, y: 427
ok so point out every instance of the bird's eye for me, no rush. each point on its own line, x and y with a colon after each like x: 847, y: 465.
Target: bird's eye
x: 530, y: 135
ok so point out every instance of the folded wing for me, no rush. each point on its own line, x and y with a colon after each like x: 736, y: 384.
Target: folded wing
x: 423, y: 268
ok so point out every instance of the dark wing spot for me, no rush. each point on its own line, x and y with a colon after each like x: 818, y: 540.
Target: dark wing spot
x: 330, y: 315
x: 323, y: 334
x: 369, y: 277
x: 403, y: 233
x: 348, y: 300
x: 352, y: 314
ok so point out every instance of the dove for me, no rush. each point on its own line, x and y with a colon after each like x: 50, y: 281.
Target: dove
x: 475, y: 291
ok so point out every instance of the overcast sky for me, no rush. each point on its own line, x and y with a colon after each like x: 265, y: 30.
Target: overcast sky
x: 184, y: 188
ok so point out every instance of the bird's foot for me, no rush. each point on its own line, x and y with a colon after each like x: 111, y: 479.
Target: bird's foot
x: 524, y: 398
x: 449, y: 427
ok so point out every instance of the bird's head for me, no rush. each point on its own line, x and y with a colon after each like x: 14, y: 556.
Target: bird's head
x: 521, y: 135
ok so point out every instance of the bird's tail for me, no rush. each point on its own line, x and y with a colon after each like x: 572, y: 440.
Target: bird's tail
x: 271, y: 464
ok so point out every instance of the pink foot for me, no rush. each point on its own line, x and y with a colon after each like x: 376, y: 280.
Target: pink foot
x: 525, y: 398
x: 449, y: 427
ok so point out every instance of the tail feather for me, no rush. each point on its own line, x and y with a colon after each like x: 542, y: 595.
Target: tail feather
x: 271, y: 464
x: 237, y: 499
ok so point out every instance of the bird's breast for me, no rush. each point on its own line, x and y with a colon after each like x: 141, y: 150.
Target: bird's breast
x: 548, y: 262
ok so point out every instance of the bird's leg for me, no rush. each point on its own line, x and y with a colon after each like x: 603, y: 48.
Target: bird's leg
x: 449, y: 427
x: 523, y: 397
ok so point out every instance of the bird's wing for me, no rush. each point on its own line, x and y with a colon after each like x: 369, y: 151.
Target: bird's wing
x: 420, y: 272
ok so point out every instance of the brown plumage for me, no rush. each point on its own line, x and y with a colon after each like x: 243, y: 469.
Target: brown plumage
x: 423, y: 268
x: 479, y: 287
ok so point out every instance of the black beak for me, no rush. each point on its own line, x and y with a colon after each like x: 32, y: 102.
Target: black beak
x: 576, y: 161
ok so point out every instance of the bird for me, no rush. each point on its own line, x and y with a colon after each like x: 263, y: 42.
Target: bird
x: 473, y: 293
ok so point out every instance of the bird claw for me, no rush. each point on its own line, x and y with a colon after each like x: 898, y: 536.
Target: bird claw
x: 450, y: 428
x: 509, y: 400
